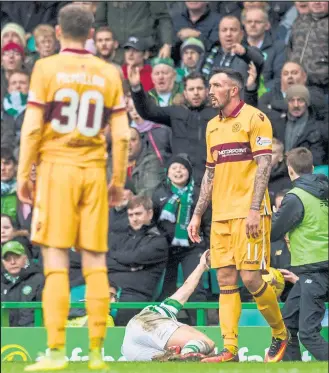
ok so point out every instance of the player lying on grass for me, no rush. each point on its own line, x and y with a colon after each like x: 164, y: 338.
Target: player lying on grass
x: 155, y: 333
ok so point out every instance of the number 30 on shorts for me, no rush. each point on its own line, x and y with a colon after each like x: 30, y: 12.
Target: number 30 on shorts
x: 76, y: 112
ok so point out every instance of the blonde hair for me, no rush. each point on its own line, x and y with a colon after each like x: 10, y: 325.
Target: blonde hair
x: 44, y: 30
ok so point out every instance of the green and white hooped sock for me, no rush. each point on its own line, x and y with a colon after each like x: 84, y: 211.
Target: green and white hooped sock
x: 196, y: 346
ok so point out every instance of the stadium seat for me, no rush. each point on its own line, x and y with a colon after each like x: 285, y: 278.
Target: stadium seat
x: 180, y: 278
x: 159, y: 287
x: 78, y: 293
x: 323, y: 169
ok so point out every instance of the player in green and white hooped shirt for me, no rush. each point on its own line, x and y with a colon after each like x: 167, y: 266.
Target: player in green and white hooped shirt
x: 155, y: 330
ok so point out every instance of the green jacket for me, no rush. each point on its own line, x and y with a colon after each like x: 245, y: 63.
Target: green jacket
x: 147, y: 173
x: 309, y: 240
x: 9, y: 205
x: 177, y: 90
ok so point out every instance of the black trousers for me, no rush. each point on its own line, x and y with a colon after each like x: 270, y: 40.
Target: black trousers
x: 303, y: 313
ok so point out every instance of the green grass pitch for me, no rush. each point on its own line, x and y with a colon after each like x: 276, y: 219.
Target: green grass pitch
x: 312, y: 367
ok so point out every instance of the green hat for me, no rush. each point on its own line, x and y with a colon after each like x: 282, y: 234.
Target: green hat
x: 193, y: 43
x: 165, y: 61
x: 14, y: 247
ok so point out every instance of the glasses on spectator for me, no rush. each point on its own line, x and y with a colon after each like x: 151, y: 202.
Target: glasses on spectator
x: 254, y: 21
x: 11, y: 53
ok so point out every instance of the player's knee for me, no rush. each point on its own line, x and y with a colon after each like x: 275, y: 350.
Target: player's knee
x: 227, y: 276
x: 252, y: 280
x: 92, y: 259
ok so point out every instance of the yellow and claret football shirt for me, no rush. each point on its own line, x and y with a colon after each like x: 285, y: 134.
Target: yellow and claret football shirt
x: 232, y: 145
x: 79, y: 93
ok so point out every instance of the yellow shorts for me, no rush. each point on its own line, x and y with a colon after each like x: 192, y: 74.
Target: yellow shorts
x: 71, y: 207
x: 230, y: 246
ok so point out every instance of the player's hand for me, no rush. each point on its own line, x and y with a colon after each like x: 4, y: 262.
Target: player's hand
x: 134, y: 76
x: 115, y: 195
x: 289, y: 276
x: 205, y: 260
x: 165, y: 51
x: 238, y: 49
x: 187, y: 32
x: 26, y: 191
x: 253, y: 224
x: 193, y: 229
x: 252, y: 75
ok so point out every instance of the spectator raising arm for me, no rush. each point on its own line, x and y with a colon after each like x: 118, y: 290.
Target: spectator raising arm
x: 144, y: 104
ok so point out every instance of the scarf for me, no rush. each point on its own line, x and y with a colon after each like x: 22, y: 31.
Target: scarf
x: 14, y: 103
x: 179, y: 205
x: 145, y: 127
x: 8, y: 187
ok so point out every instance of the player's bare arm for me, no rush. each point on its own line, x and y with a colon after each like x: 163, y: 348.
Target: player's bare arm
x: 202, y: 204
x: 260, y: 185
x: 184, y: 292
x: 29, y: 149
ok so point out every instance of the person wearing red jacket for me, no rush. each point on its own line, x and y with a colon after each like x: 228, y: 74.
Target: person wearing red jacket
x: 135, y: 55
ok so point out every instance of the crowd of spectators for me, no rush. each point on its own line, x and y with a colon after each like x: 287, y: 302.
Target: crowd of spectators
x: 281, y: 50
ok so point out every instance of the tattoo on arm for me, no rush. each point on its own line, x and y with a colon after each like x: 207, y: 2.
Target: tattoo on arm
x: 261, y: 180
x: 205, y: 192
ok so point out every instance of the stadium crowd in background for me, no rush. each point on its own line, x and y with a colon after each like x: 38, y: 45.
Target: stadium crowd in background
x: 165, y: 53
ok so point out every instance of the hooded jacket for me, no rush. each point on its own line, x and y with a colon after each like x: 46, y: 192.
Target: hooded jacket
x: 27, y: 287
x: 291, y: 212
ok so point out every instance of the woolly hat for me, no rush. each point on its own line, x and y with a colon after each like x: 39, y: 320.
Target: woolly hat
x: 298, y: 90
x: 183, y: 159
x: 13, y: 46
x: 165, y: 61
x: 14, y: 27
x: 193, y: 43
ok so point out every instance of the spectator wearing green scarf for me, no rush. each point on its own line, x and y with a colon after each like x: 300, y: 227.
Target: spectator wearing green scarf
x: 8, y: 183
x: 174, y: 202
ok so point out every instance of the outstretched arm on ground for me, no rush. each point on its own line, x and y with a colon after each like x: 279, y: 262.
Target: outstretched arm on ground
x: 184, y: 292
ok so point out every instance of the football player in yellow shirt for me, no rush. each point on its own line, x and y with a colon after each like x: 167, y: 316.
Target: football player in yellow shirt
x: 239, y: 152
x: 73, y: 98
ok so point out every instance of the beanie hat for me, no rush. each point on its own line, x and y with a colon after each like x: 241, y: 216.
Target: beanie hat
x: 183, y: 159
x: 193, y: 43
x: 298, y: 90
x: 165, y: 61
x: 13, y: 46
x: 14, y: 27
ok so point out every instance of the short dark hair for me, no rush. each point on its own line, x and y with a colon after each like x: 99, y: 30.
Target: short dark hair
x: 231, y: 73
x: 137, y: 201
x: 103, y: 29
x: 8, y: 155
x: 19, y: 71
x: 300, y: 160
x: 75, y: 21
x: 194, y: 75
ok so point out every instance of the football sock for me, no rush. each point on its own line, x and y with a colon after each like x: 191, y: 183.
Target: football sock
x: 269, y: 307
x: 97, y: 304
x: 229, y: 315
x: 199, y: 346
x: 55, y: 304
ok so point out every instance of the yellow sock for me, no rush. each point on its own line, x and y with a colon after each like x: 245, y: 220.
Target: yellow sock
x: 97, y: 304
x: 268, y: 305
x: 55, y: 304
x: 229, y: 315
